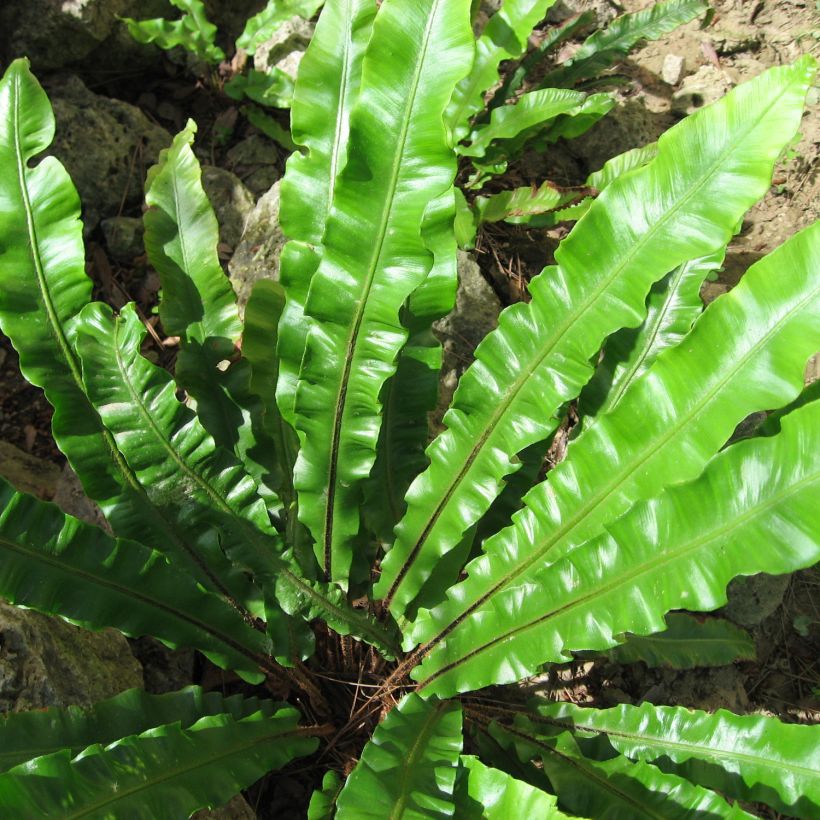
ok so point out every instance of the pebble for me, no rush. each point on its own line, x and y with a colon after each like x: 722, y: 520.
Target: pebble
x: 672, y: 70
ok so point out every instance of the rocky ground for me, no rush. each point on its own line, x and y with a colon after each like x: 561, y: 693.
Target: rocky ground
x: 117, y: 104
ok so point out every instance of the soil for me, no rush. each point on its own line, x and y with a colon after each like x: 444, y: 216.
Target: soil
x: 743, y: 38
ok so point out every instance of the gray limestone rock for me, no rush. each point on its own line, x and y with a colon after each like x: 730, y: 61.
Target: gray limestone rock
x: 106, y: 145
x: 257, y: 254
x: 460, y: 331
x: 47, y: 662
x: 123, y: 238
x: 256, y: 161
x: 55, y: 33
x: 285, y: 48
x: 27, y: 473
x: 752, y: 599
x: 230, y: 199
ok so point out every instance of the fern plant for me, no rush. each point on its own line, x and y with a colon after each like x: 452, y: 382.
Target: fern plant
x: 289, y: 519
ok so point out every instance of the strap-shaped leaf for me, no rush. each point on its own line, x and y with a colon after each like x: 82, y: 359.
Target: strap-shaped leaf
x: 412, y: 392
x: 193, y: 31
x: 749, y: 757
x: 524, y: 202
x: 27, y: 735
x: 326, y: 88
x: 687, y: 643
x: 199, y: 486
x: 622, y: 164
x: 61, y: 566
x: 529, y: 111
x: 407, y: 770
x: 484, y: 793
x: 166, y: 772
x: 538, y: 358
x: 417, y: 53
x: 515, y: 79
x: 618, y: 788
x: 603, y: 48
x: 689, y: 403
x: 43, y: 287
x: 263, y: 25
x: 504, y: 38
x: 752, y: 510
x: 672, y: 306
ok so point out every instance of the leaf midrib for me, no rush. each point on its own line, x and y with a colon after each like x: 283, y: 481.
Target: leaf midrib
x: 350, y: 347
x: 629, y: 575
x: 512, y: 393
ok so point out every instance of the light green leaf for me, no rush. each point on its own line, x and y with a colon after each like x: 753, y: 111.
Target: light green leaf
x: 663, y: 214
x: 43, y: 287
x: 618, y: 788
x: 749, y: 757
x: 752, y: 510
x: 193, y: 31
x: 416, y: 54
x: 165, y: 772
x: 61, y: 566
x: 273, y: 88
x: 407, y: 770
x: 603, y: 48
x: 672, y: 306
x: 688, y: 643
x: 484, y: 793
x: 621, y: 164
x: 529, y: 111
x: 326, y: 87
x: 524, y: 202
x: 504, y: 38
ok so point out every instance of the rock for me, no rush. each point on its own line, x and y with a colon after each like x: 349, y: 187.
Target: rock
x: 257, y: 255
x: 27, y: 473
x: 460, y: 331
x: 753, y: 598
x: 55, y: 33
x: 231, y: 201
x: 672, y: 70
x: 564, y: 9
x: 106, y: 146
x: 256, y: 161
x: 47, y: 662
x: 285, y: 48
x: 703, y: 87
x: 71, y: 498
x: 237, y: 809
x: 164, y: 669
x: 123, y: 238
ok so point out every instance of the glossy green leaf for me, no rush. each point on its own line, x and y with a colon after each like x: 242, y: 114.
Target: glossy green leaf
x: 529, y: 111
x: 621, y: 164
x: 618, y: 788
x: 752, y: 510
x: 411, y: 394
x: 263, y: 26
x: 504, y: 38
x: 199, y: 486
x: 27, y: 735
x: 523, y: 202
x: 672, y: 306
x: 663, y: 214
x: 193, y: 31
x: 603, y: 48
x: 359, y: 288
x: 484, y: 793
x: 326, y: 87
x: 323, y: 801
x: 165, y: 772
x: 749, y: 757
x: 43, y: 287
x: 687, y: 643
x: 552, y: 38
x: 771, y: 425
x: 61, y: 566
x: 269, y: 126
x: 273, y: 88
x: 407, y: 770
